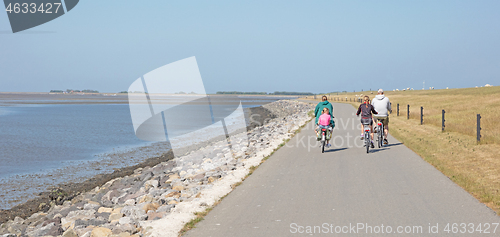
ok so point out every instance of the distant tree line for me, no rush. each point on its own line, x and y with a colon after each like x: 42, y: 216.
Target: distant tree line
x: 290, y: 93
x: 262, y: 93
x: 240, y: 93
x: 74, y: 91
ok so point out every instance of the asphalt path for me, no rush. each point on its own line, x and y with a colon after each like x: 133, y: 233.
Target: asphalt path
x: 300, y: 191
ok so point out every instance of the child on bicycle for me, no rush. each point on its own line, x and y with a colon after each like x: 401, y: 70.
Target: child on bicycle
x: 324, y: 122
x: 366, y: 110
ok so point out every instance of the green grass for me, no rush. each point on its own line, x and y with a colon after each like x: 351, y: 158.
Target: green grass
x: 191, y: 224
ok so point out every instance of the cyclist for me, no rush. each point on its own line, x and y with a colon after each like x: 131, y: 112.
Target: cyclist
x: 383, y: 107
x: 324, y: 122
x: 319, y: 110
x: 366, y: 110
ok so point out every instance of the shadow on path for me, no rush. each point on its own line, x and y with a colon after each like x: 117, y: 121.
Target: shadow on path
x: 395, y: 144
x: 338, y: 149
x: 374, y: 150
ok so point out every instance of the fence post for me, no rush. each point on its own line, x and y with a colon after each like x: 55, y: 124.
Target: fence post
x: 442, y: 122
x: 408, y: 112
x: 421, y: 115
x: 478, y: 127
x: 398, y: 110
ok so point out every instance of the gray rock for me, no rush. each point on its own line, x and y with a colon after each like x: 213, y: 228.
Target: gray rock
x: 125, y: 220
x: 143, y: 217
x: 56, y: 220
x: 146, y: 176
x: 69, y: 233
x: 87, y: 234
x: 130, y: 202
x: 49, y: 230
x: 130, y: 228
x: 157, y: 192
x: 133, y: 212
x: 89, y: 206
x: 106, y: 199
x: 85, y: 223
x: 165, y: 208
x: 66, y: 210
x: 152, y: 183
x: 104, y: 215
x: 9, y: 235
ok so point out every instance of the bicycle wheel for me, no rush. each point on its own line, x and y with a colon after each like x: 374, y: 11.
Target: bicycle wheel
x: 323, y: 142
x: 380, y: 137
x: 367, y: 141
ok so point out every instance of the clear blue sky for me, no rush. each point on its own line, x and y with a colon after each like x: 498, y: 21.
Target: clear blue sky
x: 313, y: 46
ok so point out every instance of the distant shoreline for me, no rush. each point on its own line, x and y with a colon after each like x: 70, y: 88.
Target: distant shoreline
x: 125, y: 94
x: 41, y: 98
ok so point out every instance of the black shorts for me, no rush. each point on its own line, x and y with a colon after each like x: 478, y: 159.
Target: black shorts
x: 366, y: 121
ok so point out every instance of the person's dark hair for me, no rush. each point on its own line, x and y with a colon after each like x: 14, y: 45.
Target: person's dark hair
x: 324, y: 98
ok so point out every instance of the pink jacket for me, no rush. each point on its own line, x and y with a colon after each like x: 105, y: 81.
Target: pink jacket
x: 324, y: 119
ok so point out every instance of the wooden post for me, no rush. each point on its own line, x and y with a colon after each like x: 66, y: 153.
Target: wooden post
x: 421, y: 115
x: 478, y: 127
x: 408, y: 112
x: 442, y: 121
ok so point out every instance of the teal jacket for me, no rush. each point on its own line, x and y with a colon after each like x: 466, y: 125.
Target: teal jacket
x: 319, y: 110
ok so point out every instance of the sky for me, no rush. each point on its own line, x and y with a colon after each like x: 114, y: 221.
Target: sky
x: 307, y: 46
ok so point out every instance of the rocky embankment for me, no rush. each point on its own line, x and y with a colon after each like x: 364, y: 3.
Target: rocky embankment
x: 158, y: 200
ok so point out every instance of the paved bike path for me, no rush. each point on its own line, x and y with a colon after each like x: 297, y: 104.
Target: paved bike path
x: 300, y: 186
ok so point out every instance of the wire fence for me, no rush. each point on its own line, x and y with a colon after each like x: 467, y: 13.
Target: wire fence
x: 443, y: 120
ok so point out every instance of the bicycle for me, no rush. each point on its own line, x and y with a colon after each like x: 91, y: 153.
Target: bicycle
x: 367, y: 138
x: 323, y: 139
x: 326, y: 136
x: 380, y: 130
